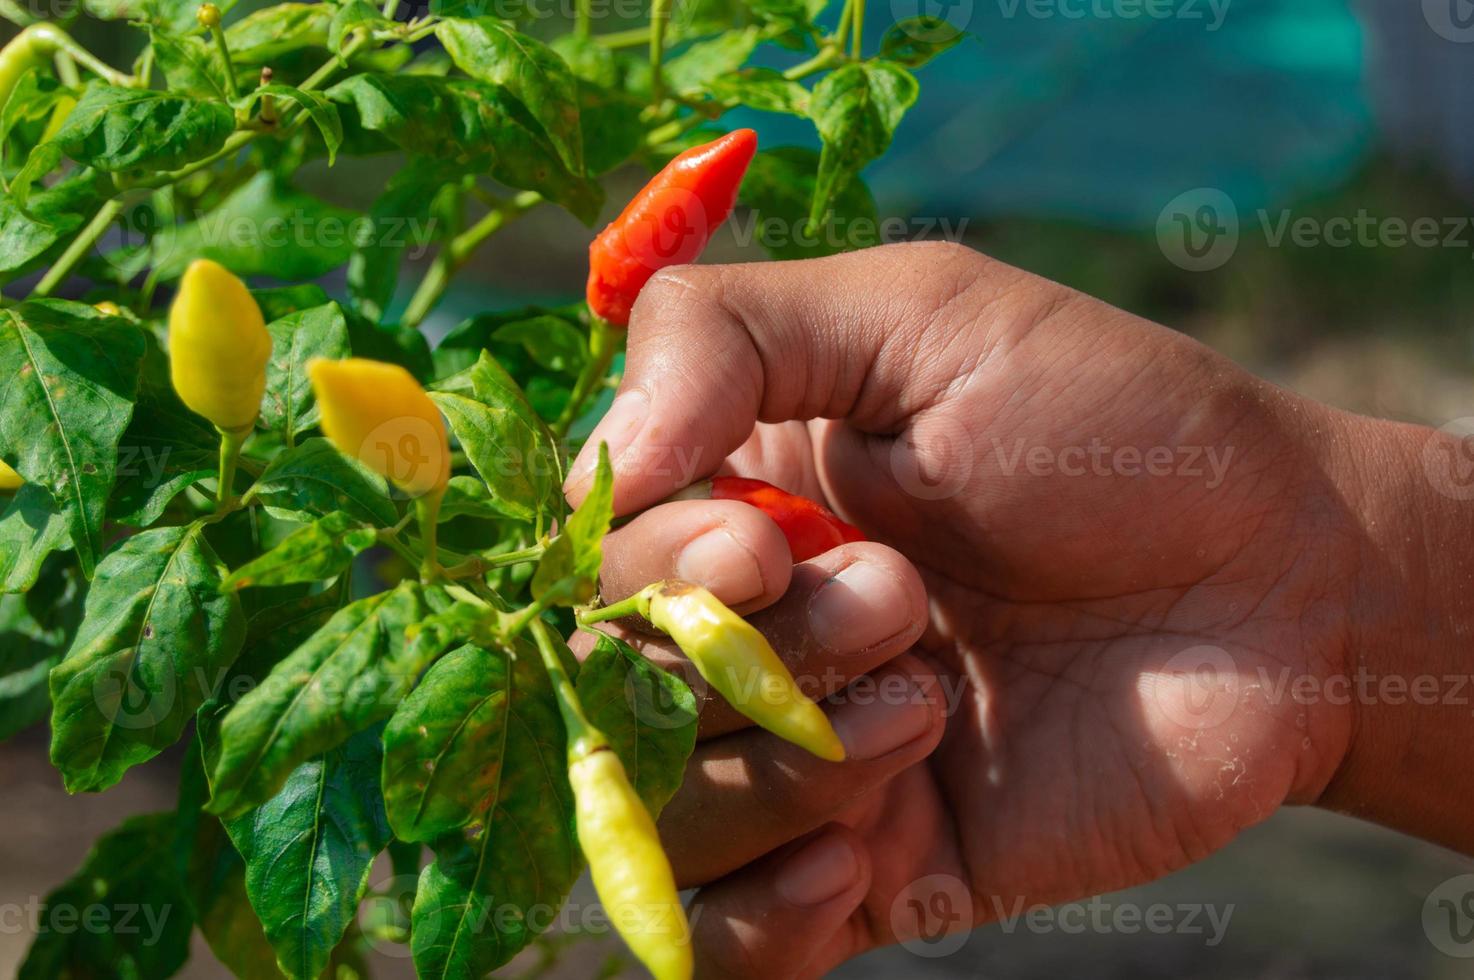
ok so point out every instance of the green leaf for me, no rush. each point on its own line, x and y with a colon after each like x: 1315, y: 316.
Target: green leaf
x: 279, y: 301
x: 470, y: 125
x: 270, y: 33
x: 177, y: 16
x: 316, y: 479
x: 129, y: 875
x: 131, y: 129
x: 352, y: 16
x: 476, y: 902
x: 551, y: 341
x: 396, y: 344
x: 309, y: 851
x: 462, y: 347
x: 348, y: 675
x: 466, y: 496
x: 693, y: 71
x: 71, y: 378
x: 156, y: 636
x: 324, y: 114
x: 322, y: 550
x: 569, y: 570
x: 649, y: 716
x: 491, y: 51
x: 33, y: 100
x: 34, y: 632
x: 165, y: 450
x: 916, y: 40
x: 778, y: 191
x: 856, y: 109
x: 763, y: 89
x: 613, y: 128
x: 31, y: 528
x: 589, y: 61
x: 191, y: 65
x: 506, y: 442
x: 289, y: 406
x: 443, y: 747
x: 33, y: 234
x: 265, y: 227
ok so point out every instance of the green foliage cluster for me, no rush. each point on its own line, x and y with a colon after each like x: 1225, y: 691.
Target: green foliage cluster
x: 337, y: 703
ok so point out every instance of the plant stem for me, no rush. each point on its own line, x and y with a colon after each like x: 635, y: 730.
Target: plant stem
x: 583, y: 16
x: 632, y: 38
x: 390, y: 7
x: 231, y: 442
x: 827, y: 56
x: 859, y: 22
x: 66, y: 70
x: 583, y: 737
x: 79, y: 247
x: 66, y: 43
x: 604, y: 343
x: 659, y: 14
x: 456, y: 252
x: 427, y: 512
x: 231, y: 89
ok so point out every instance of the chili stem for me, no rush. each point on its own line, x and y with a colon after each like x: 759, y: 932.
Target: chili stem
x: 66, y: 70
x: 632, y: 606
x: 231, y: 442
x: 79, y: 247
x: 859, y: 22
x: 583, y: 737
x: 231, y: 88
x: 583, y: 17
x: 604, y: 342
x: 68, y: 44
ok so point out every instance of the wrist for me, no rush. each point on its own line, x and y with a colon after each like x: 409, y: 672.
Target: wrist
x: 1410, y: 674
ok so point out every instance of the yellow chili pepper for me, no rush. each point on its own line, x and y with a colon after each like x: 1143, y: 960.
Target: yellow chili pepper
x: 218, y: 347
x: 9, y: 478
x: 379, y: 413
x: 630, y: 870
x: 31, y: 48
x: 739, y: 662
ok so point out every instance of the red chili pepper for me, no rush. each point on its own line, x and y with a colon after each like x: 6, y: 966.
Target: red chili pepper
x: 811, y: 529
x: 668, y: 223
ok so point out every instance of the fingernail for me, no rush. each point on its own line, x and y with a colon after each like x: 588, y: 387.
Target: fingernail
x: 619, y: 427
x: 894, y: 716
x: 818, y: 873
x: 723, y: 564
x: 858, y: 608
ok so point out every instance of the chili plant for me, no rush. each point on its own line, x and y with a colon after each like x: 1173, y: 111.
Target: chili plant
x: 276, y: 525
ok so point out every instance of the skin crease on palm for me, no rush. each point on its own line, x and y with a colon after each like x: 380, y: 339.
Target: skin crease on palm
x: 1041, y: 626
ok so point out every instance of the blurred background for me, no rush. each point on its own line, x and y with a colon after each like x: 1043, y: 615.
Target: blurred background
x: 1247, y: 171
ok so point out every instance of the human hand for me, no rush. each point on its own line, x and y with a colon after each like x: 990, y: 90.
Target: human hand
x: 1129, y: 545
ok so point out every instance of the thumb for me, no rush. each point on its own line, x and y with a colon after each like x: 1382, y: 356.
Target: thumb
x: 865, y: 336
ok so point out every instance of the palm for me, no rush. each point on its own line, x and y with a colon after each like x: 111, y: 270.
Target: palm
x: 1121, y: 646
